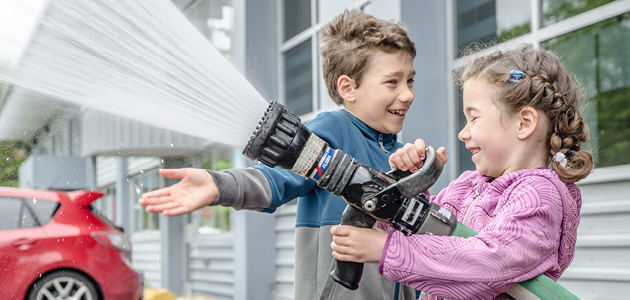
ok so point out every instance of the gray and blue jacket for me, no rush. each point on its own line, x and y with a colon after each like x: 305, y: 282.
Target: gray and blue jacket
x: 264, y: 189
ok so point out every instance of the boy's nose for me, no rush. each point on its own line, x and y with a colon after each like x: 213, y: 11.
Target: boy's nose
x: 407, y: 95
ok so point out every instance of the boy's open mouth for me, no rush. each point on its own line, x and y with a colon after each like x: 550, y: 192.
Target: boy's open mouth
x: 398, y: 112
x: 474, y: 150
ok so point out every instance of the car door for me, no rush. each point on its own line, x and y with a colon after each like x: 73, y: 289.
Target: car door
x: 21, y: 243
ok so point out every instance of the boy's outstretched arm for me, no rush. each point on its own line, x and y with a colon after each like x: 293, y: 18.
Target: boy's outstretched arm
x: 411, y: 156
x: 196, y: 189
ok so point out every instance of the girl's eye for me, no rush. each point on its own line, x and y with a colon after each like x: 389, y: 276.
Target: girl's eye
x: 411, y: 80
x: 392, y: 81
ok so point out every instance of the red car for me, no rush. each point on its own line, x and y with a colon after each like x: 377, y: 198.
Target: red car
x: 53, y: 245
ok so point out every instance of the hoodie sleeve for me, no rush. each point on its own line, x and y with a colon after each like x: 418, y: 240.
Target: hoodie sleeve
x: 519, y: 242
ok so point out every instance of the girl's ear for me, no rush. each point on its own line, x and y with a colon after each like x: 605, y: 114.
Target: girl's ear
x: 345, y: 87
x: 528, y: 119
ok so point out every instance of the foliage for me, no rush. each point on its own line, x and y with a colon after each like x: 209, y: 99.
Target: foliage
x: 12, y: 155
x: 513, y: 32
x: 558, y: 10
x: 597, y: 56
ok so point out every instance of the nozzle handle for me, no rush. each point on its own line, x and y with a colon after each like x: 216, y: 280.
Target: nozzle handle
x: 348, y: 273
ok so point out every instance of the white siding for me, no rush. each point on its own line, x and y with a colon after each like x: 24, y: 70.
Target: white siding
x: 601, y: 268
x: 211, y: 265
x: 146, y: 256
x: 106, y: 168
x: 285, y: 244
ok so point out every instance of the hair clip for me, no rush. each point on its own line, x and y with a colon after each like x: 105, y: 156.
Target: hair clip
x: 516, y: 75
x: 560, y: 158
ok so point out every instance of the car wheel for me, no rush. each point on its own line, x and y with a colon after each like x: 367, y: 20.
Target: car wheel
x: 64, y: 284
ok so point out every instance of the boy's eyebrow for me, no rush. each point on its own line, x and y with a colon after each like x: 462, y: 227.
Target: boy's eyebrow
x: 398, y: 73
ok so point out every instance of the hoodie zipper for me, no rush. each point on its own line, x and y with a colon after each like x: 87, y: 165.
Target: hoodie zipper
x: 380, y: 142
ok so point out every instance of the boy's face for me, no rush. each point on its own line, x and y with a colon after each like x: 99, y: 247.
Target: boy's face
x: 385, y: 93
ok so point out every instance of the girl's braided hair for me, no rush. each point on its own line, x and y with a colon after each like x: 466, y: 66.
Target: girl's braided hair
x: 545, y: 86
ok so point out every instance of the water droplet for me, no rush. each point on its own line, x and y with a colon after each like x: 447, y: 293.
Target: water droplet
x: 171, y: 145
x: 34, y: 200
x: 138, y: 190
x: 142, y: 171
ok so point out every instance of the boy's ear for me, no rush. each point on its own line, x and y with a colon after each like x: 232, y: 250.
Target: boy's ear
x: 345, y: 87
x: 528, y: 119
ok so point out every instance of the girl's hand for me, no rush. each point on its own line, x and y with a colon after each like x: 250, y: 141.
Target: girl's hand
x: 363, y: 245
x: 196, y: 189
x: 411, y: 156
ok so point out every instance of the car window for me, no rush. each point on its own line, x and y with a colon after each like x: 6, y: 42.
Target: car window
x: 102, y: 216
x: 14, y: 214
x: 44, y: 210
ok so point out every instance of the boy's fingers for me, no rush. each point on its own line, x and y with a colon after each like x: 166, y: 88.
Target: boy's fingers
x: 420, y: 145
x: 395, y: 162
x: 156, y: 193
x: 172, y: 173
x: 161, y: 207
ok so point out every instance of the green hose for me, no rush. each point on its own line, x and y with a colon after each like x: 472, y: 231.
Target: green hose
x: 540, y: 287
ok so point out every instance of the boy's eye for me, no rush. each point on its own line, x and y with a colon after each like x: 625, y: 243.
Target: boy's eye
x: 411, y: 80
x: 392, y: 81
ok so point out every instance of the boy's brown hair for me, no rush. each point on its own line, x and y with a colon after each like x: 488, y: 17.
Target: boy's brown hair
x: 351, y: 39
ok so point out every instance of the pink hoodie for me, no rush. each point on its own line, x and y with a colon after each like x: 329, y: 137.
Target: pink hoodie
x: 522, y: 233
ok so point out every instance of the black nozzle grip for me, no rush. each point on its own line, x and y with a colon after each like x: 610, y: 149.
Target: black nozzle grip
x: 347, y: 273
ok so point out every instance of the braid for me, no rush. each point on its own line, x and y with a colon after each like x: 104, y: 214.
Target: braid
x: 547, y: 87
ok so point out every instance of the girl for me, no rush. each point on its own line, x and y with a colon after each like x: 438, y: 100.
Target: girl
x: 524, y: 129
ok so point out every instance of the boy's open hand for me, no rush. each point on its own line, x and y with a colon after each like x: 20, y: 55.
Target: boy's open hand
x: 363, y: 245
x: 411, y: 156
x: 196, y: 189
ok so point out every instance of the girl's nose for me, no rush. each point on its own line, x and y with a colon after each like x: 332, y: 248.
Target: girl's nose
x: 464, y: 134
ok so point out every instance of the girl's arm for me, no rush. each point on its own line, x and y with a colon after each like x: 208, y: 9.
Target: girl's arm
x: 518, y: 244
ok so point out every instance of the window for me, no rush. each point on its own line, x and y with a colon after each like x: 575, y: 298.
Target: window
x: 214, y: 19
x: 486, y: 20
x: 557, y: 10
x: 106, y: 204
x: 297, y: 17
x: 42, y: 209
x: 594, y: 52
x: 14, y: 214
x: 598, y: 56
x: 141, y: 183
x: 214, y: 219
x: 298, y: 78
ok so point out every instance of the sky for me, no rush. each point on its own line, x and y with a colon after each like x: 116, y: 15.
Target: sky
x: 17, y: 21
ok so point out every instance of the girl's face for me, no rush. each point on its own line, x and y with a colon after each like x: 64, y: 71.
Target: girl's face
x: 489, y: 134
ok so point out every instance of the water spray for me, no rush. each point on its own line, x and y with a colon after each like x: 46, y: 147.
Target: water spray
x: 396, y: 197
x: 140, y: 59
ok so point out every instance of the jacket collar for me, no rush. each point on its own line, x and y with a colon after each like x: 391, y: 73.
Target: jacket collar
x: 387, y: 141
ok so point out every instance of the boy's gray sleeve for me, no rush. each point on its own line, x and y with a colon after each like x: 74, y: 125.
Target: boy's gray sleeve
x: 245, y: 188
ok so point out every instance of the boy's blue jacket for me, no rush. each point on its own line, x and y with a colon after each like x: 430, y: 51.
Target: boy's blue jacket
x: 317, y: 207
x: 265, y: 189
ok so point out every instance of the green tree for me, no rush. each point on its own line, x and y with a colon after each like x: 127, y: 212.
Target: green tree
x: 12, y: 155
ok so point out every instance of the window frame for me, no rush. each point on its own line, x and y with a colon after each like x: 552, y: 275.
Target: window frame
x: 535, y: 38
x: 311, y: 33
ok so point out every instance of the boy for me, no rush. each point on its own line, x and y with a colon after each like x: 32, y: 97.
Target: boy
x: 368, y: 68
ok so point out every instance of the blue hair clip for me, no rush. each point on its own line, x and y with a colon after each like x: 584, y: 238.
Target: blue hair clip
x: 516, y: 75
